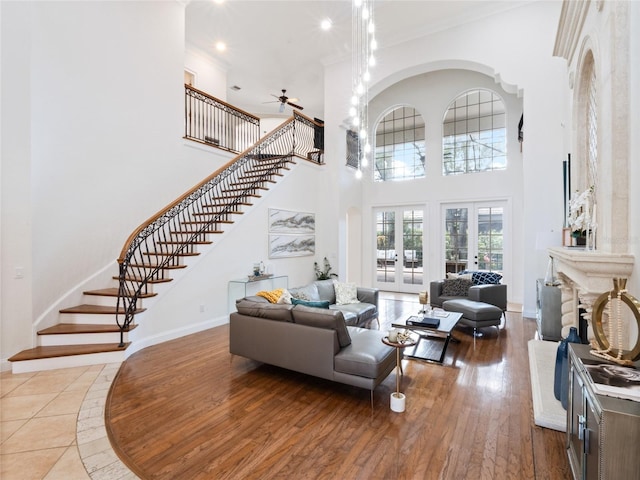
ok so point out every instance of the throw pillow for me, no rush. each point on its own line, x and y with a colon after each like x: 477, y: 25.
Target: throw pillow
x: 308, y: 303
x: 453, y: 276
x: 484, y: 278
x: 346, y: 293
x: 285, y: 297
x: 310, y: 292
x: 456, y: 287
x: 273, y: 296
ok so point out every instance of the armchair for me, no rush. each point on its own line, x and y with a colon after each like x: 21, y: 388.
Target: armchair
x: 493, y: 294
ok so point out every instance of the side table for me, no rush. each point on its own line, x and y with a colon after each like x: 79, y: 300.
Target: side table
x: 398, y: 399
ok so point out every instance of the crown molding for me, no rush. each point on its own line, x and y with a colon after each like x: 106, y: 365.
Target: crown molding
x: 572, y: 17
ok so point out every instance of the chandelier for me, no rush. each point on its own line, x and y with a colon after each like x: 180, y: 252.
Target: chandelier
x: 363, y: 44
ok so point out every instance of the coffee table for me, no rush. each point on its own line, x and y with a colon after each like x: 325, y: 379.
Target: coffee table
x: 448, y: 320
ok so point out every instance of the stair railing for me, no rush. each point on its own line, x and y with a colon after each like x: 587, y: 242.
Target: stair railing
x: 213, y: 122
x: 160, y: 243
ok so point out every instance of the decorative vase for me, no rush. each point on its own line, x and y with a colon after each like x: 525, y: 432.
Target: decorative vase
x: 561, y: 379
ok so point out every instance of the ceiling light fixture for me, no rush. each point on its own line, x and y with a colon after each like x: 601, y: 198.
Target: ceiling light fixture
x: 221, y: 46
x: 326, y: 24
x: 363, y: 43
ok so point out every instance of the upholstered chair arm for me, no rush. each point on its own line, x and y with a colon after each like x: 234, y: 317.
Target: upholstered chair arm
x: 490, y: 293
x: 435, y: 291
x: 368, y: 295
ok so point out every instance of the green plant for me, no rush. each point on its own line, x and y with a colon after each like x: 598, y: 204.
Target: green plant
x: 325, y: 273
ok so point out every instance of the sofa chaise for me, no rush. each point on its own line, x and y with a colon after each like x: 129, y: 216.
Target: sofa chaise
x: 310, y: 340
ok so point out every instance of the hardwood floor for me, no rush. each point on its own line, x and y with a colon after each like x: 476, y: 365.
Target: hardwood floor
x: 186, y: 410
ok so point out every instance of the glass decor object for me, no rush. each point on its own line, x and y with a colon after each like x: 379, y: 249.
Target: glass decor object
x: 609, y: 305
x: 573, y: 337
x: 550, y: 278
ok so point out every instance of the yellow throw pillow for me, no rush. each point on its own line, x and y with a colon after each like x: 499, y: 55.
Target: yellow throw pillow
x: 272, y: 295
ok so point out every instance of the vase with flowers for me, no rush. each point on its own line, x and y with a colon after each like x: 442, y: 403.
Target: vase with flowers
x: 582, y: 215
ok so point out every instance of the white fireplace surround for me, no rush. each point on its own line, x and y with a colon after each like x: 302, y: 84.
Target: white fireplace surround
x: 585, y: 275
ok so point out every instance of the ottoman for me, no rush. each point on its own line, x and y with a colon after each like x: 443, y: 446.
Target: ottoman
x: 475, y: 314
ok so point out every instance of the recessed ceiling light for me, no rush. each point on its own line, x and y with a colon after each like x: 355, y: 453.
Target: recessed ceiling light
x: 218, y: 1
x: 326, y: 24
x: 221, y: 46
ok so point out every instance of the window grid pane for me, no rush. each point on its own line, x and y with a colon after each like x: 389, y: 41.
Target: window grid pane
x: 474, y: 134
x: 399, y: 151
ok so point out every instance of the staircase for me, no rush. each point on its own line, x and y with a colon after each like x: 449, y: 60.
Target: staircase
x: 97, y: 331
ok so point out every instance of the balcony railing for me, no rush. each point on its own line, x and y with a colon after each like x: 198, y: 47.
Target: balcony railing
x: 214, y: 122
x: 162, y: 242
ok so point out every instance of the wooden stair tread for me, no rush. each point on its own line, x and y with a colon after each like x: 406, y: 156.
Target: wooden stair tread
x: 221, y: 212
x: 194, y: 242
x: 66, y: 350
x: 156, y: 265
x: 113, y: 292
x: 139, y: 279
x: 218, y: 205
x: 66, y: 328
x: 98, y: 310
x: 193, y: 232
x: 205, y: 222
x: 169, y: 254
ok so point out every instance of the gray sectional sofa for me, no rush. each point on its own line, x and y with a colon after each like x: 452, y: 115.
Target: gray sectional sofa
x: 310, y: 340
x: 357, y: 313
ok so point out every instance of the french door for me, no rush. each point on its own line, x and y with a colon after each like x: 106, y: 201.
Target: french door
x: 399, y: 234
x: 473, y: 236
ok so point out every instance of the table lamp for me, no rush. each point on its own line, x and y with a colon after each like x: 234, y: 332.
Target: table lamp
x: 423, y: 298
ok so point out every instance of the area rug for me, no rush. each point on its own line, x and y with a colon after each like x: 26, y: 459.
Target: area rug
x: 547, y: 411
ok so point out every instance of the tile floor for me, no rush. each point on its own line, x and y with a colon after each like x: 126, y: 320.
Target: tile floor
x: 52, y: 425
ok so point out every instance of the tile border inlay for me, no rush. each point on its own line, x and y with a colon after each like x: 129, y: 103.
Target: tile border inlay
x: 94, y: 448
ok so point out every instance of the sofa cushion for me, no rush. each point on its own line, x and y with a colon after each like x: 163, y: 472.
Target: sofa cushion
x: 308, y: 292
x: 308, y: 303
x: 264, y: 309
x: 346, y: 293
x: 361, y: 311
x: 367, y: 356
x: 321, y: 318
x: 326, y: 291
x: 456, y: 287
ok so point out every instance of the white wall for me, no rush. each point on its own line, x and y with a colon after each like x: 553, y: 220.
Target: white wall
x: 92, y: 122
x: 431, y: 94
x: 516, y: 46
x: 210, y: 77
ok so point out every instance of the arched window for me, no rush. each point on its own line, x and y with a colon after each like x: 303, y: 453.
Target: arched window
x: 591, y: 119
x: 399, y: 152
x: 474, y: 134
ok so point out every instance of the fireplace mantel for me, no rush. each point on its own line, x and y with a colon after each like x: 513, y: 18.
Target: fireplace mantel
x: 591, y: 271
x: 584, y: 275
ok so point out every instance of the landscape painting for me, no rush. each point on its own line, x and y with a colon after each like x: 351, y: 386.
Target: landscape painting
x: 285, y: 221
x: 286, y: 245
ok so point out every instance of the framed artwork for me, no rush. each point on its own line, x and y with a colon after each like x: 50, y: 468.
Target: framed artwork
x: 288, y: 222
x: 288, y: 245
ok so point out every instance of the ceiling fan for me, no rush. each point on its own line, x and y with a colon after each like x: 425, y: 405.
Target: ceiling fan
x: 284, y: 100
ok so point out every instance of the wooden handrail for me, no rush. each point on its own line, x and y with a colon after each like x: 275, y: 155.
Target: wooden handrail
x: 222, y: 102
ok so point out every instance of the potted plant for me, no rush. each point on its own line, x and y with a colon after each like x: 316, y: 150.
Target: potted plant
x: 325, y: 273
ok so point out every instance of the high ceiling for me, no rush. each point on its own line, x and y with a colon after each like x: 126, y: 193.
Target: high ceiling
x: 275, y: 44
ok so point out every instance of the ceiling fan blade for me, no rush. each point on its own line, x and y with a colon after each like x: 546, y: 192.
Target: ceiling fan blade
x: 295, y: 106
